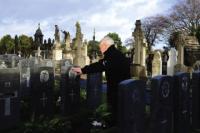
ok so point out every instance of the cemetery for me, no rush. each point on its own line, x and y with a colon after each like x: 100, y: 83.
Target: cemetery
x: 137, y: 86
x: 42, y: 94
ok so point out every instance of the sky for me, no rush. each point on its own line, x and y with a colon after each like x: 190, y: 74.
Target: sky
x: 22, y: 16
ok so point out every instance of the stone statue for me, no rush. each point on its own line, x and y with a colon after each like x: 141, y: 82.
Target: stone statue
x: 57, y: 34
x: 66, y: 34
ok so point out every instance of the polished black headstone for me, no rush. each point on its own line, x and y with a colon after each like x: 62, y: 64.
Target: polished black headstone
x: 42, y: 83
x: 94, y: 86
x: 181, y: 103
x: 131, y: 106
x: 161, y: 104
x: 70, y: 90
x: 195, y: 86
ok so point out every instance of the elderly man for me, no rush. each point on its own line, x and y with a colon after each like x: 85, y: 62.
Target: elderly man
x: 116, y: 67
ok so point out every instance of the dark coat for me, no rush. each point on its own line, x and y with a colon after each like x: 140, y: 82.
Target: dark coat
x: 115, y: 65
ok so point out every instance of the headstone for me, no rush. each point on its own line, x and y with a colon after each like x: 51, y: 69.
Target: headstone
x: 195, y: 85
x: 42, y: 92
x: 172, y: 61
x: 25, y: 75
x: 94, y: 86
x: 9, y: 100
x: 181, y: 103
x: 70, y: 90
x: 131, y: 106
x: 157, y: 64
x: 161, y: 104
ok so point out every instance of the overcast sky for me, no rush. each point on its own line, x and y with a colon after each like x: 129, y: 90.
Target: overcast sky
x: 23, y: 16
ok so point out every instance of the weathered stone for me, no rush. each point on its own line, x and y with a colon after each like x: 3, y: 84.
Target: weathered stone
x: 172, y: 61
x: 157, y: 64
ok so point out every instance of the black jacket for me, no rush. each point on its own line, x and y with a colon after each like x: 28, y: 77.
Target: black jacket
x: 115, y: 65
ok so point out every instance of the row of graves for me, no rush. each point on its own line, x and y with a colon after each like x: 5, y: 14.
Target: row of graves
x: 173, y: 107
x: 32, y: 81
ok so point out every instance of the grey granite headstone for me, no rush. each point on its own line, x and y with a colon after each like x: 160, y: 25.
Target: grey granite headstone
x: 94, y: 86
x: 182, y: 103
x: 161, y: 104
x: 195, y: 85
x: 70, y: 90
x: 131, y: 106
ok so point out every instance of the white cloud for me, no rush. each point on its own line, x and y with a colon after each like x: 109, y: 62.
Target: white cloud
x: 105, y: 16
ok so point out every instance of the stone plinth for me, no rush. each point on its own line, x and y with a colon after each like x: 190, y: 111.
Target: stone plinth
x: 57, y: 54
x: 138, y: 71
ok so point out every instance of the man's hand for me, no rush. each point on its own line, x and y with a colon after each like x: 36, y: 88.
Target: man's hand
x: 77, y: 70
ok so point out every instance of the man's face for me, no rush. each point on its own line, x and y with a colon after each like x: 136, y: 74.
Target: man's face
x: 103, y: 47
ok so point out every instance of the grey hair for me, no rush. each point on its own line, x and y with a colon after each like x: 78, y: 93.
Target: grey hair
x: 108, y: 39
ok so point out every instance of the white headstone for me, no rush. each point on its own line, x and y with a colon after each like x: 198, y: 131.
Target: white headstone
x: 172, y: 61
x: 157, y: 64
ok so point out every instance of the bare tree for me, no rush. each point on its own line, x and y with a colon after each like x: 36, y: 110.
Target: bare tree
x: 154, y: 28
x: 185, y: 17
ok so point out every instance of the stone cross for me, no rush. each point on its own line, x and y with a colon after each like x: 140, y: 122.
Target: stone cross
x: 43, y: 99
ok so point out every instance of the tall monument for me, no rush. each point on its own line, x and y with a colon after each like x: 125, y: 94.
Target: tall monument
x: 79, y: 47
x: 57, y: 51
x: 138, y: 65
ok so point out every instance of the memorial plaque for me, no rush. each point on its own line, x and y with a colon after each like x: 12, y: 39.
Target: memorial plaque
x: 131, y: 106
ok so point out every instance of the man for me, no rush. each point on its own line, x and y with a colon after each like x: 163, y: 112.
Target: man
x: 117, y: 69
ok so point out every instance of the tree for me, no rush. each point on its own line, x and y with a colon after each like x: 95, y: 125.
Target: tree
x: 7, y: 44
x: 185, y: 17
x: 93, y: 48
x: 154, y: 28
x: 117, y: 41
x: 25, y: 44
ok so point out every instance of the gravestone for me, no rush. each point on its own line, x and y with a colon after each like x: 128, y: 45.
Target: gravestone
x: 131, y: 106
x: 181, y: 103
x: 42, y: 92
x: 172, y: 61
x: 161, y: 104
x: 195, y: 85
x: 9, y: 100
x: 94, y: 85
x: 157, y: 64
x: 25, y: 75
x: 70, y: 89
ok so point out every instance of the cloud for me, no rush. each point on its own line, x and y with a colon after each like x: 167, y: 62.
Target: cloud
x: 22, y: 16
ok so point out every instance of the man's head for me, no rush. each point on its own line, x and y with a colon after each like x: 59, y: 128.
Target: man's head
x: 105, y: 43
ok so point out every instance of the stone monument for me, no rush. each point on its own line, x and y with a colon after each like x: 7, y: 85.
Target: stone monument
x: 67, y: 53
x: 172, y: 61
x: 57, y: 51
x: 157, y: 64
x: 138, y: 68
x: 80, y: 48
